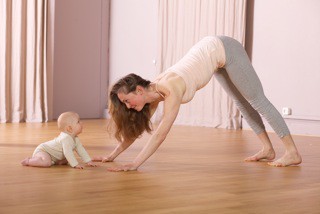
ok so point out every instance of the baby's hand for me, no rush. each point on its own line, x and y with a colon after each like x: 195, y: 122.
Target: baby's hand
x: 90, y: 163
x: 78, y: 167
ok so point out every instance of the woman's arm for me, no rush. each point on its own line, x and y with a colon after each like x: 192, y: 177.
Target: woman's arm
x: 117, y: 151
x: 171, y: 109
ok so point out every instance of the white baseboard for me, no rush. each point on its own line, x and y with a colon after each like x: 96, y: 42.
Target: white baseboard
x: 296, y: 126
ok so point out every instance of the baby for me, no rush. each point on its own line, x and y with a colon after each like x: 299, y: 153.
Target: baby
x: 59, y: 151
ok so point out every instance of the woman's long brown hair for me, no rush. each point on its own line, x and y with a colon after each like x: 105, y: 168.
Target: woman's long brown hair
x: 129, y: 123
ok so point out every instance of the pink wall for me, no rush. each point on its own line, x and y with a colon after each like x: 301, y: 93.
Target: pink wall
x: 81, y: 60
x: 80, y: 57
x: 133, y: 38
x: 285, y: 53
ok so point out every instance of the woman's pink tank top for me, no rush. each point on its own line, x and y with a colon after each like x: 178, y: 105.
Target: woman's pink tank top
x: 198, y: 65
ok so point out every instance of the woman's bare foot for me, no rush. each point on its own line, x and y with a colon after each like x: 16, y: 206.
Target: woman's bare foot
x: 25, y: 162
x: 264, y: 154
x: 291, y: 156
x: 287, y: 159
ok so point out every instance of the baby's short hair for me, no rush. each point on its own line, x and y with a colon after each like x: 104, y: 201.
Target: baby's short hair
x: 66, y: 118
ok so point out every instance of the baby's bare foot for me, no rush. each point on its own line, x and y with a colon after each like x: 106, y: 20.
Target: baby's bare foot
x: 287, y: 160
x: 25, y: 162
x: 264, y: 154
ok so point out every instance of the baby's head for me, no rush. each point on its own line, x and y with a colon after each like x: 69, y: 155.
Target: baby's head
x: 70, y: 122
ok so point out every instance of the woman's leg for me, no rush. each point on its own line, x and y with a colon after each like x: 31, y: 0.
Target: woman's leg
x: 245, y: 79
x: 250, y: 115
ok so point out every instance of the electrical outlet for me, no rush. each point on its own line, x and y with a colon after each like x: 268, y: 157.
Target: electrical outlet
x: 286, y: 111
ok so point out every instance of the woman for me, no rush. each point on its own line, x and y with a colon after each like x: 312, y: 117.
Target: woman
x: 133, y: 100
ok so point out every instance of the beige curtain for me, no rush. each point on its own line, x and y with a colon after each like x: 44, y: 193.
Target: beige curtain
x: 25, y: 60
x: 181, y: 24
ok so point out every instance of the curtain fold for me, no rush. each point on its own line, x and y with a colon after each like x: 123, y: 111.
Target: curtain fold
x: 181, y: 25
x: 26, y: 60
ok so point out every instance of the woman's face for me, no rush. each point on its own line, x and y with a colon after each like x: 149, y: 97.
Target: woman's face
x: 133, y: 100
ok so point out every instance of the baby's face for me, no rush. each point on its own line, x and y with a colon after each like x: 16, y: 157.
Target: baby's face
x: 76, y: 126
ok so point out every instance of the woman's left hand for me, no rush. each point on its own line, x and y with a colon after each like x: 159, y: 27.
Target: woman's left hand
x: 125, y: 168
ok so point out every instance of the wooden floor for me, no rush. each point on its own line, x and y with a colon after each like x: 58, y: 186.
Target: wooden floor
x: 196, y: 170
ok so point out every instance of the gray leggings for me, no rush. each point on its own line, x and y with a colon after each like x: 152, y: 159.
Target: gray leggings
x: 239, y: 79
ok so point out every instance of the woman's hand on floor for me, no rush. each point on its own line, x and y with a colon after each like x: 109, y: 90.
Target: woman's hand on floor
x: 125, y: 168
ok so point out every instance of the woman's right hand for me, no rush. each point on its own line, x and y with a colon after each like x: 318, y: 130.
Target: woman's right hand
x: 102, y: 159
x: 107, y: 159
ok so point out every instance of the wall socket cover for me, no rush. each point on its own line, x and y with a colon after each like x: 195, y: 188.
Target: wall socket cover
x: 286, y: 111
